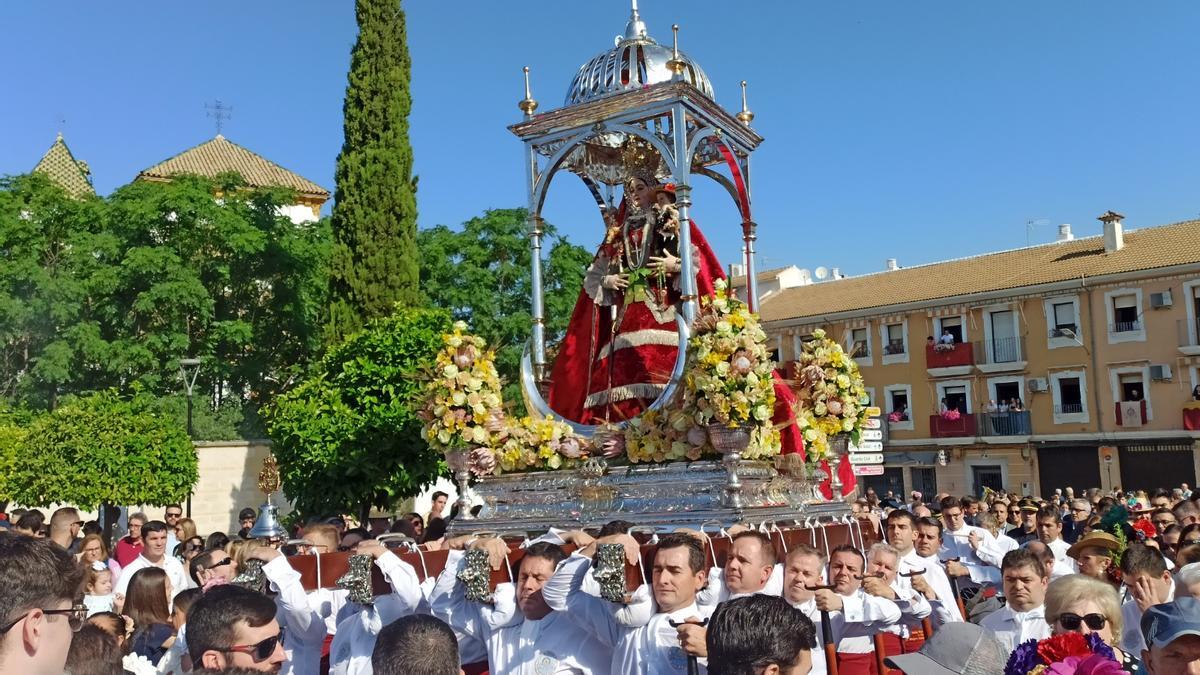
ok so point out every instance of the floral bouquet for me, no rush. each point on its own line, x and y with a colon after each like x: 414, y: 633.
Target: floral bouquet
x: 529, y: 444
x: 464, y: 394
x: 1066, y: 654
x: 831, y: 394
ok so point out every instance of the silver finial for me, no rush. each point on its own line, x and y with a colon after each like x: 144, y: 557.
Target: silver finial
x: 676, y: 64
x: 636, y: 28
x: 745, y: 116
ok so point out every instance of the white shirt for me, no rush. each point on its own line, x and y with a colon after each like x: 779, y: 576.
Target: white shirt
x: 351, y: 649
x: 1063, y: 563
x: 652, y: 649
x: 717, y: 592
x: 945, y: 608
x: 862, y: 616
x: 957, y: 544
x: 993, y: 552
x: 305, y: 628
x: 174, y: 569
x: 1132, y: 640
x: 1012, y: 628
x: 516, y: 644
x: 810, y: 610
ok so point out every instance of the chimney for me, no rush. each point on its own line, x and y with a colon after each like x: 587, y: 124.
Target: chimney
x: 1114, y: 237
x: 1064, y: 232
x: 892, y: 265
x: 835, y: 273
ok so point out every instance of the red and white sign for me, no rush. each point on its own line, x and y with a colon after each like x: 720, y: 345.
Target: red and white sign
x: 873, y: 423
x: 868, y: 469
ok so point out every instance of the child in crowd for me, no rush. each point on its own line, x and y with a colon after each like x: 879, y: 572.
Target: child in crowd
x: 98, y: 589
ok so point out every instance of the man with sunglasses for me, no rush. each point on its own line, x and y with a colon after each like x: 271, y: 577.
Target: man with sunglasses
x: 171, y: 516
x: 233, y: 627
x: 64, y: 528
x: 37, y: 612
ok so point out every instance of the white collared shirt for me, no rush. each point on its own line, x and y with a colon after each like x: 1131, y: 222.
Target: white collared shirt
x: 717, y: 592
x: 957, y: 544
x: 174, y: 569
x: 652, y: 649
x: 863, y: 615
x: 945, y: 608
x: 1132, y: 640
x: 1012, y: 628
x: 810, y: 610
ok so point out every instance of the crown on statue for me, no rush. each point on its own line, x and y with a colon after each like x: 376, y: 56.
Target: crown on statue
x: 641, y: 160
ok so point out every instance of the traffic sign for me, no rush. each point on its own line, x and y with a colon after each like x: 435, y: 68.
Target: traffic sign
x: 874, y: 411
x: 866, y: 458
x: 869, y: 446
x: 868, y: 470
x: 873, y: 423
x: 872, y: 434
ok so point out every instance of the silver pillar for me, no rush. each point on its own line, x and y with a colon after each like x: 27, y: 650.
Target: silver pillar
x: 683, y: 197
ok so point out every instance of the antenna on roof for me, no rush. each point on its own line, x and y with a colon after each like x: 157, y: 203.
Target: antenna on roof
x: 1032, y: 223
x: 219, y: 112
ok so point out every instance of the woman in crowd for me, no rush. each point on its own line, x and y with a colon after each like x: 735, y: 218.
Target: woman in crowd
x: 190, y: 548
x: 1080, y: 604
x: 216, y: 540
x: 32, y: 523
x: 92, y: 549
x: 185, y: 529
x: 147, y: 602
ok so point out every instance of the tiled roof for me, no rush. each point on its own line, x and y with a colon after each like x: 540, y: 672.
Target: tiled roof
x: 1144, y: 249
x: 61, y: 166
x: 765, y: 275
x: 212, y: 158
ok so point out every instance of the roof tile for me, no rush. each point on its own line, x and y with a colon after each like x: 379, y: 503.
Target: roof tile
x: 219, y: 155
x: 61, y: 166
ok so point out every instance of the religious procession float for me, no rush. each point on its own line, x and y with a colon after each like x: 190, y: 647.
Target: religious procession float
x: 661, y: 402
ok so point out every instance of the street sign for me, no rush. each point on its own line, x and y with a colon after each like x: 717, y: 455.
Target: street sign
x: 873, y: 423
x: 874, y: 411
x: 872, y: 434
x: 866, y: 458
x: 869, y: 470
x: 869, y: 446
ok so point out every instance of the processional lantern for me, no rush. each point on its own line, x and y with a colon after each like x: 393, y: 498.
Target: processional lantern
x: 267, y: 525
x: 637, y: 97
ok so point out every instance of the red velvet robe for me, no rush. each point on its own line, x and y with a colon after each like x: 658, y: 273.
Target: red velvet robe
x: 624, y: 381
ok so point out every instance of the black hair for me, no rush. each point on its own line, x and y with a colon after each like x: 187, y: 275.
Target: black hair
x: 183, y: 600
x: 903, y: 514
x: 1140, y: 558
x: 439, y: 493
x: 1049, y: 513
x: 212, y: 621
x: 764, y: 543
x: 546, y: 550
x: 1023, y: 557
x: 153, y: 526
x: 680, y: 540
x: 216, y: 540
x: 417, y: 644
x: 94, y: 651
x: 847, y: 548
x: 614, y: 527
x: 436, y: 529
x: 749, y: 633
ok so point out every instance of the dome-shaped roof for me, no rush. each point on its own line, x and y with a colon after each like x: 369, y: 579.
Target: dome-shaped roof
x: 635, y: 62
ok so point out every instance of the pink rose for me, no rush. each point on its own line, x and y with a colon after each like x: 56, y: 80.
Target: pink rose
x: 697, y: 436
x: 1096, y: 664
x: 834, y: 406
x: 464, y: 357
x: 570, y: 448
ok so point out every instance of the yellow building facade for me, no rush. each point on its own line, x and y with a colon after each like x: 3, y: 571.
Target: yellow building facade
x: 1067, y: 364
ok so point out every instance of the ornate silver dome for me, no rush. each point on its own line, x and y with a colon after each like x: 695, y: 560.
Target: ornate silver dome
x: 635, y: 62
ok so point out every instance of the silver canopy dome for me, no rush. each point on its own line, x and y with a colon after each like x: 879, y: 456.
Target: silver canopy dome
x: 636, y: 61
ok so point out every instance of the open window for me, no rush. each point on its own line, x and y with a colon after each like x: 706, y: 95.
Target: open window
x: 895, y: 339
x: 860, y: 346
x: 952, y: 325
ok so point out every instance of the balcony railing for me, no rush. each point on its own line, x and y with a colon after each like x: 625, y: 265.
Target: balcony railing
x: 859, y: 350
x: 1131, y: 413
x: 1125, y: 327
x: 1000, y: 350
x: 1069, y: 409
x: 1191, y: 415
x: 894, y: 347
x: 1005, y: 424
x: 941, y: 427
x: 947, y: 356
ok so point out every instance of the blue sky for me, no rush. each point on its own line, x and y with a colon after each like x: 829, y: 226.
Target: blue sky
x: 915, y: 130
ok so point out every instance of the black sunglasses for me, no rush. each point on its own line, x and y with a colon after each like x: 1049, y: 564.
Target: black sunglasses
x: 223, y: 562
x: 1072, y: 621
x: 260, y: 651
x: 75, y: 617
x: 1188, y: 542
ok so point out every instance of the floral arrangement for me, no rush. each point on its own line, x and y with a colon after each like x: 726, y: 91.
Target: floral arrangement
x: 463, y: 396
x: 832, y: 397
x: 1066, y: 654
x: 727, y: 381
x: 528, y: 444
x: 950, y: 414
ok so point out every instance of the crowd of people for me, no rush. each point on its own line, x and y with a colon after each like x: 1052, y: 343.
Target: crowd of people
x: 946, y: 585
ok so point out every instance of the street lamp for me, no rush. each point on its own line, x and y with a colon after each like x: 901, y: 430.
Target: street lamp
x: 188, y: 370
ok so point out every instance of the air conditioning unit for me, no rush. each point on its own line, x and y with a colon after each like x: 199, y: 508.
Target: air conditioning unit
x: 1161, y: 300
x: 1160, y: 372
x: 1037, y: 384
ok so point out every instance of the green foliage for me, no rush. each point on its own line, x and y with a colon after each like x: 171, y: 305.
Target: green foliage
x: 103, y: 293
x: 349, y: 435
x: 480, y: 274
x: 374, y: 263
x: 14, y: 427
x: 232, y: 419
x: 103, y: 448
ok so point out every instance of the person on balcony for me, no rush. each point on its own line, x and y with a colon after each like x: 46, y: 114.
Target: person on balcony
x: 1196, y: 393
x: 1016, y: 406
x: 947, y: 413
x: 946, y: 343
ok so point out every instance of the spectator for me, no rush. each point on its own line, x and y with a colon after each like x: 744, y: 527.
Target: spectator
x: 1187, y: 581
x: 154, y: 554
x: 209, y: 566
x: 39, y: 619
x: 352, y: 537
x: 1049, y: 528
x: 171, y: 516
x: 232, y: 626
x: 435, y: 531
x: 31, y: 523
x: 1078, y: 513
x: 759, y: 634
x: 176, y: 656
x: 148, y: 604
x: 1171, y: 632
x: 94, y: 652
x: 418, y: 524
x: 1144, y: 573
x: 64, y: 528
x: 1021, y: 619
x: 129, y: 547
x: 98, y: 588
x: 417, y: 644
x: 189, y: 549
x: 246, y: 519
x: 437, y: 508
x: 92, y: 549
x: 185, y: 528
x: 115, y: 625
x: 1080, y: 604
x: 1093, y: 554
x: 1027, y: 530
x: 216, y: 540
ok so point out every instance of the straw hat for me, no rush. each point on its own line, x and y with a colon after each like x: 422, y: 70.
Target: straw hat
x: 1095, y: 539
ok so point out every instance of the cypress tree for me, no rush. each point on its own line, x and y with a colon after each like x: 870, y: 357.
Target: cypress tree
x: 374, y: 262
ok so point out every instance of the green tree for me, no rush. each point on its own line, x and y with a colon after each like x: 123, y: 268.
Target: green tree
x: 374, y: 264
x: 348, y: 437
x: 57, y: 265
x: 103, y: 449
x: 480, y: 274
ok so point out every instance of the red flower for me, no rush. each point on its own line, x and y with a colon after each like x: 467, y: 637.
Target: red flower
x: 1059, y: 647
x: 1145, y: 527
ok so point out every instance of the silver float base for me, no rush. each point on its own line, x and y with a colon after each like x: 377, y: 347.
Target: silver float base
x: 664, y: 496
